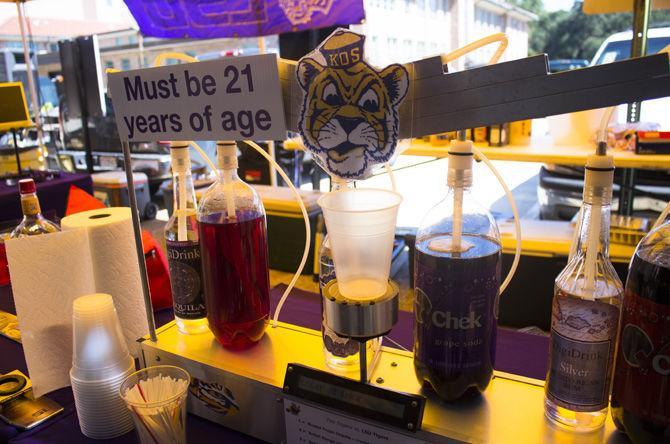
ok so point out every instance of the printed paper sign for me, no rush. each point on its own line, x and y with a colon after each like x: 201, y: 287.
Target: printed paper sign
x: 228, y: 99
x: 307, y: 424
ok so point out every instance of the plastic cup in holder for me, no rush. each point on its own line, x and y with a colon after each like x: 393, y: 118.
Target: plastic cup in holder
x: 100, y: 349
x: 361, y: 227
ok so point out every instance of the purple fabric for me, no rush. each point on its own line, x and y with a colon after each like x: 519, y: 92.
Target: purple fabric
x: 518, y: 353
x: 52, y: 193
x: 206, y: 19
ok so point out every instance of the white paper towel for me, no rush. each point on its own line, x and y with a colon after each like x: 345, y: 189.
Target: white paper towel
x: 114, y: 262
x: 48, y: 272
x: 95, y: 253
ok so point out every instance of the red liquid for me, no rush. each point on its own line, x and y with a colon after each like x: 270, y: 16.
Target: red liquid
x: 236, y: 278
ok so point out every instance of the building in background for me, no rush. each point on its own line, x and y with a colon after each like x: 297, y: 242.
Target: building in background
x: 396, y: 30
x: 406, y: 30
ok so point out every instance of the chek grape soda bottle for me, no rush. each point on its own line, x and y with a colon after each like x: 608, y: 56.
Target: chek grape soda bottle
x: 457, y: 281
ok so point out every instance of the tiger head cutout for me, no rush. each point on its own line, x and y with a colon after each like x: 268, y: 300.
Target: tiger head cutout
x: 349, y: 116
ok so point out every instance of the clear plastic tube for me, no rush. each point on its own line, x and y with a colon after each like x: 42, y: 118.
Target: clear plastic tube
x: 604, y: 122
x: 662, y: 216
x: 446, y: 58
x: 515, y: 212
x: 389, y: 170
x: 305, y: 253
x: 493, y: 38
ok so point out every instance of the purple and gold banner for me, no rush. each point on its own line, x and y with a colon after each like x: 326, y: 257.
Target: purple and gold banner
x: 204, y: 19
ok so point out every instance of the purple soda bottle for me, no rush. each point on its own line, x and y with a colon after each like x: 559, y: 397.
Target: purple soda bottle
x: 456, y: 287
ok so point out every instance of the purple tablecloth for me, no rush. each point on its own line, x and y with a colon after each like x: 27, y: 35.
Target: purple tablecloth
x: 518, y: 353
x: 52, y: 194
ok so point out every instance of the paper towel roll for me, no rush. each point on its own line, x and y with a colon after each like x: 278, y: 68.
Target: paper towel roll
x: 114, y: 263
x: 95, y: 253
x: 48, y: 272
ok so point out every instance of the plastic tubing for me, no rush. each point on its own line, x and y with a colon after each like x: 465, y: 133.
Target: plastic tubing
x: 308, y: 230
x: 593, y: 234
x: 499, y: 37
x: 446, y: 58
x: 515, y: 212
x: 662, y: 216
x: 591, y: 264
x: 203, y: 154
x: 389, y: 170
x: 604, y: 122
x: 158, y: 61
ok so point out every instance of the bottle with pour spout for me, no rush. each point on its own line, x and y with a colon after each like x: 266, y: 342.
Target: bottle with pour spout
x: 456, y: 287
x: 585, y: 312
x: 233, y: 244
x: 183, y: 247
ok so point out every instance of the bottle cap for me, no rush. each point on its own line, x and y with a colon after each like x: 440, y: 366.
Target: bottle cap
x: 598, y: 179
x: 460, y: 163
x: 226, y: 154
x: 27, y: 186
x: 180, y: 156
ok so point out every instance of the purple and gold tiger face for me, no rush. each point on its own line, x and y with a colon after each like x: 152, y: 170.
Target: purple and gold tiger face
x: 349, y: 116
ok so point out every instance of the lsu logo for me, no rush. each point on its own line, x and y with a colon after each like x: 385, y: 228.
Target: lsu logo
x: 299, y: 12
x: 215, y: 396
x: 349, y: 116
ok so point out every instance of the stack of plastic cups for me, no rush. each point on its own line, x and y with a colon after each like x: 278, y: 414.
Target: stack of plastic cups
x: 100, y: 363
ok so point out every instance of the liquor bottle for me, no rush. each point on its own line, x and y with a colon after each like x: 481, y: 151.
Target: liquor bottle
x: 233, y: 243
x: 183, y: 248
x: 456, y: 286
x: 585, y: 312
x: 641, y: 391
x: 33, y: 222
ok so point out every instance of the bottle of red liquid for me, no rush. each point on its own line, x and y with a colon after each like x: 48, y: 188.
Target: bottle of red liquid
x: 233, y: 246
x: 641, y: 391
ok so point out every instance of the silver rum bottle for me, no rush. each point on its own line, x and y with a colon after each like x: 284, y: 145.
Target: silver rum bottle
x: 585, y: 313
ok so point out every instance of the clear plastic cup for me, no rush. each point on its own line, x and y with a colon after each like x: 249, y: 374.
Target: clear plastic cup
x: 163, y: 417
x: 101, y: 412
x: 100, y: 350
x: 361, y: 227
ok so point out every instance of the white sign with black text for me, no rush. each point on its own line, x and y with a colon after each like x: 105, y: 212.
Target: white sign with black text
x: 228, y: 99
x: 306, y: 424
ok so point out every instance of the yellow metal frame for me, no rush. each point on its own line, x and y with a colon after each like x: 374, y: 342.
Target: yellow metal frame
x: 510, y: 410
x: 6, y: 126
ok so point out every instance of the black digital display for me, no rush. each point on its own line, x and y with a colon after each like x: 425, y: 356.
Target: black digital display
x: 355, y: 398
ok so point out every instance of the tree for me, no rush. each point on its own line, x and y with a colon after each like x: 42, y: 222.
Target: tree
x: 534, y: 6
x: 575, y: 35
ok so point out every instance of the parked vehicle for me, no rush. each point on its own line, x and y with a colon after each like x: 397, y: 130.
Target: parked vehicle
x: 567, y: 64
x: 560, y: 187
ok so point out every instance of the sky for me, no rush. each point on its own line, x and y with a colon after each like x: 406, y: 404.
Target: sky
x: 555, y: 5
